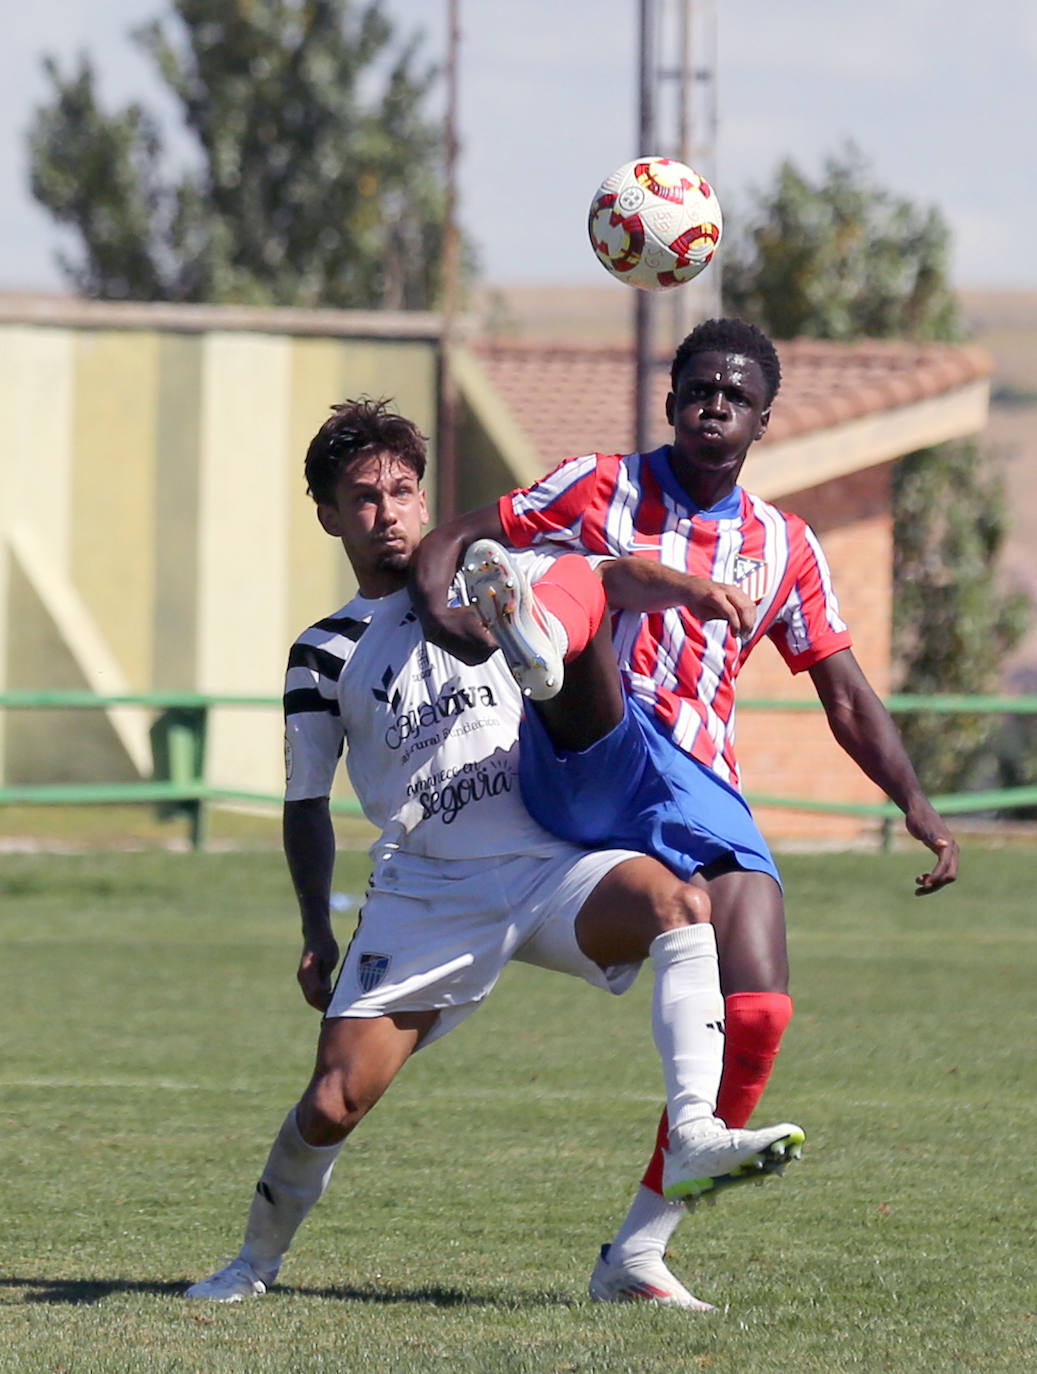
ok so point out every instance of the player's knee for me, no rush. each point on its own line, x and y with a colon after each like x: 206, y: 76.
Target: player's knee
x: 330, y: 1108
x: 682, y: 905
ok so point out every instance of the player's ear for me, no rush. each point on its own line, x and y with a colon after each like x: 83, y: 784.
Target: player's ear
x: 765, y: 419
x: 671, y: 403
x: 329, y: 521
x: 424, y: 507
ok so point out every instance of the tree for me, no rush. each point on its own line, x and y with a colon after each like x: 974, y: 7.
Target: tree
x: 844, y: 259
x: 952, y: 624
x: 319, y: 180
x: 841, y: 259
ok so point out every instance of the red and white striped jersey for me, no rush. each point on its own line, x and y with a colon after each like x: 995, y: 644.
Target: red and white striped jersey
x: 683, y: 669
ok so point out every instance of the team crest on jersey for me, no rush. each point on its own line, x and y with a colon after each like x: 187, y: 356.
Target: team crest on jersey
x: 371, y: 970
x: 753, y: 577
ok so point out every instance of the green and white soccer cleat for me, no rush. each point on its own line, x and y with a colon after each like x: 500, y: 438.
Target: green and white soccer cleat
x: 705, y: 1157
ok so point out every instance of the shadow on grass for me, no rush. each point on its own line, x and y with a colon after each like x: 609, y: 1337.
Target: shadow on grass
x: 434, y: 1295
x: 78, y: 1292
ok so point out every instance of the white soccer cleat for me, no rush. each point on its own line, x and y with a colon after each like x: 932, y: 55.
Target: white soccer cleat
x: 643, y: 1280
x: 235, y: 1281
x: 532, y: 640
x: 705, y: 1156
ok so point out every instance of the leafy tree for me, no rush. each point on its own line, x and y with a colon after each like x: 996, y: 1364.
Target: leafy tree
x: 844, y: 259
x: 318, y: 180
x: 841, y: 259
x: 952, y: 624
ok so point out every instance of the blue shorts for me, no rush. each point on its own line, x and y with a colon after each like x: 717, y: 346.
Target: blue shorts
x: 636, y: 790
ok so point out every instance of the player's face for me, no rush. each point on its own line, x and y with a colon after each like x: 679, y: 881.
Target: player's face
x: 379, y: 513
x: 718, y: 408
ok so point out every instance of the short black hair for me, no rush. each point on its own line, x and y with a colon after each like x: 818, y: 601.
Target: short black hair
x: 730, y: 336
x: 356, y: 429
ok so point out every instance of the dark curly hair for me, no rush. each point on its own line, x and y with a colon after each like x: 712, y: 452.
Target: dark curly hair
x: 730, y: 336
x: 357, y: 429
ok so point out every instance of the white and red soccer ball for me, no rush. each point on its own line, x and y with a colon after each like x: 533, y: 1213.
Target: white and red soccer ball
x: 654, y: 223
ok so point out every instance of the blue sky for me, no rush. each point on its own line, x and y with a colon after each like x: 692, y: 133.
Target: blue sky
x: 940, y: 95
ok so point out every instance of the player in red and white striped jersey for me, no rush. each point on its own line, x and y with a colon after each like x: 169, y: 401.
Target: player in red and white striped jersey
x: 665, y: 521
x: 680, y: 668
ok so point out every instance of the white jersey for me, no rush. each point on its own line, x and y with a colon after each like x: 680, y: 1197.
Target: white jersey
x: 432, y: 744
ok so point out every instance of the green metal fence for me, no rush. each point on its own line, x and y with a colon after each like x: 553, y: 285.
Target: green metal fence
x: 179, y: 734
x: 179, y: 737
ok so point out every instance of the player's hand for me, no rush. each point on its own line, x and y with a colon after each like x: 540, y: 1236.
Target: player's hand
x: 316, y: 969
x: 708, y: 600
x: 459, y: 631
x: 930, y: 829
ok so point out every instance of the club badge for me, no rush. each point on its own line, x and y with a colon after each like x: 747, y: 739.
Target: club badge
x: 752, y: 576
x: 371, y: 970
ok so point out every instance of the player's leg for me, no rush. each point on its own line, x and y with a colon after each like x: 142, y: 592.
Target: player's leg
x: 749, y: 917
x: 555, y: 635
x: 357, y: 1059
x: 640, y: 909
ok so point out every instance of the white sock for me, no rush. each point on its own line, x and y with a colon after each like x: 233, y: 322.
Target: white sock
x: 293, y: 1179
x: 647, y: 1227
x: 688, y: 1020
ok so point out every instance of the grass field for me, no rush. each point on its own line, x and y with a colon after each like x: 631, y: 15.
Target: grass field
x: 153, y: 1038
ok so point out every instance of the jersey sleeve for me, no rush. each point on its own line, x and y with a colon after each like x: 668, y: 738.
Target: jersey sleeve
x: 552, y: 509
x: 809, y: 628
x: 314, y: 734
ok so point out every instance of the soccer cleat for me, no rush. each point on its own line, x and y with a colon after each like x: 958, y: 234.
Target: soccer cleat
x: 642, y: 1280
x: 235, y: 1281
x: 705, y: 1156
x: 532, y: 641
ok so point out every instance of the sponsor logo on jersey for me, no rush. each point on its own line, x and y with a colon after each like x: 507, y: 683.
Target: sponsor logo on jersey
x: 474, y: 785
x: 753, y: 577
x: 371, y: 970
x: 452, y: 701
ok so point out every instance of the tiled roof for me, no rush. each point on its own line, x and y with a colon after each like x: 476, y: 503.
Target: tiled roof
x: 570, y: 399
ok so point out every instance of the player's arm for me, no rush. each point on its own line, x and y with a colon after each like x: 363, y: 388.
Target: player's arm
x: 437, y: 558
x: 642, y: 585
x: 309, y: 846
x: 865, y: 729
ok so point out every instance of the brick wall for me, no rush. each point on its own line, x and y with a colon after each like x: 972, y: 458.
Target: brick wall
x: 793, y: 753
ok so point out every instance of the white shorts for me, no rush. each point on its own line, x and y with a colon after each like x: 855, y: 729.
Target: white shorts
x: 436, y: 933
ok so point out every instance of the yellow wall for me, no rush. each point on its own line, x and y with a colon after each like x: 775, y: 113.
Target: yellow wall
x: 155, y: 532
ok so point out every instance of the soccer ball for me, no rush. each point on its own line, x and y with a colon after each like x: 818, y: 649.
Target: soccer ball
x: 654, y: 223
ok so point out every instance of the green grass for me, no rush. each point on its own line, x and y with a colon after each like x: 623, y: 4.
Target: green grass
x: 153, y: 1038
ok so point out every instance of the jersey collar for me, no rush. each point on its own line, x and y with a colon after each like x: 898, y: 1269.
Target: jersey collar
x: 730, y: 508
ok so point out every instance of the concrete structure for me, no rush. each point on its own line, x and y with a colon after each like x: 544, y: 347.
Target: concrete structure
x: 155, y: 533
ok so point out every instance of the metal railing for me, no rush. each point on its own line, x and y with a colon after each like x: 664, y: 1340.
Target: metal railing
x: 179, y: 739
x: 179, y: 744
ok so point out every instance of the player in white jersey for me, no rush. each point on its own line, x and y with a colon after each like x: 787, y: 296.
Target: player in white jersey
x: 464, y: 879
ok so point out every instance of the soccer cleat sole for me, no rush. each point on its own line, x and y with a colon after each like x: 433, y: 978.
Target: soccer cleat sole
x: 495, y: 596
x: 758, y: 1168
